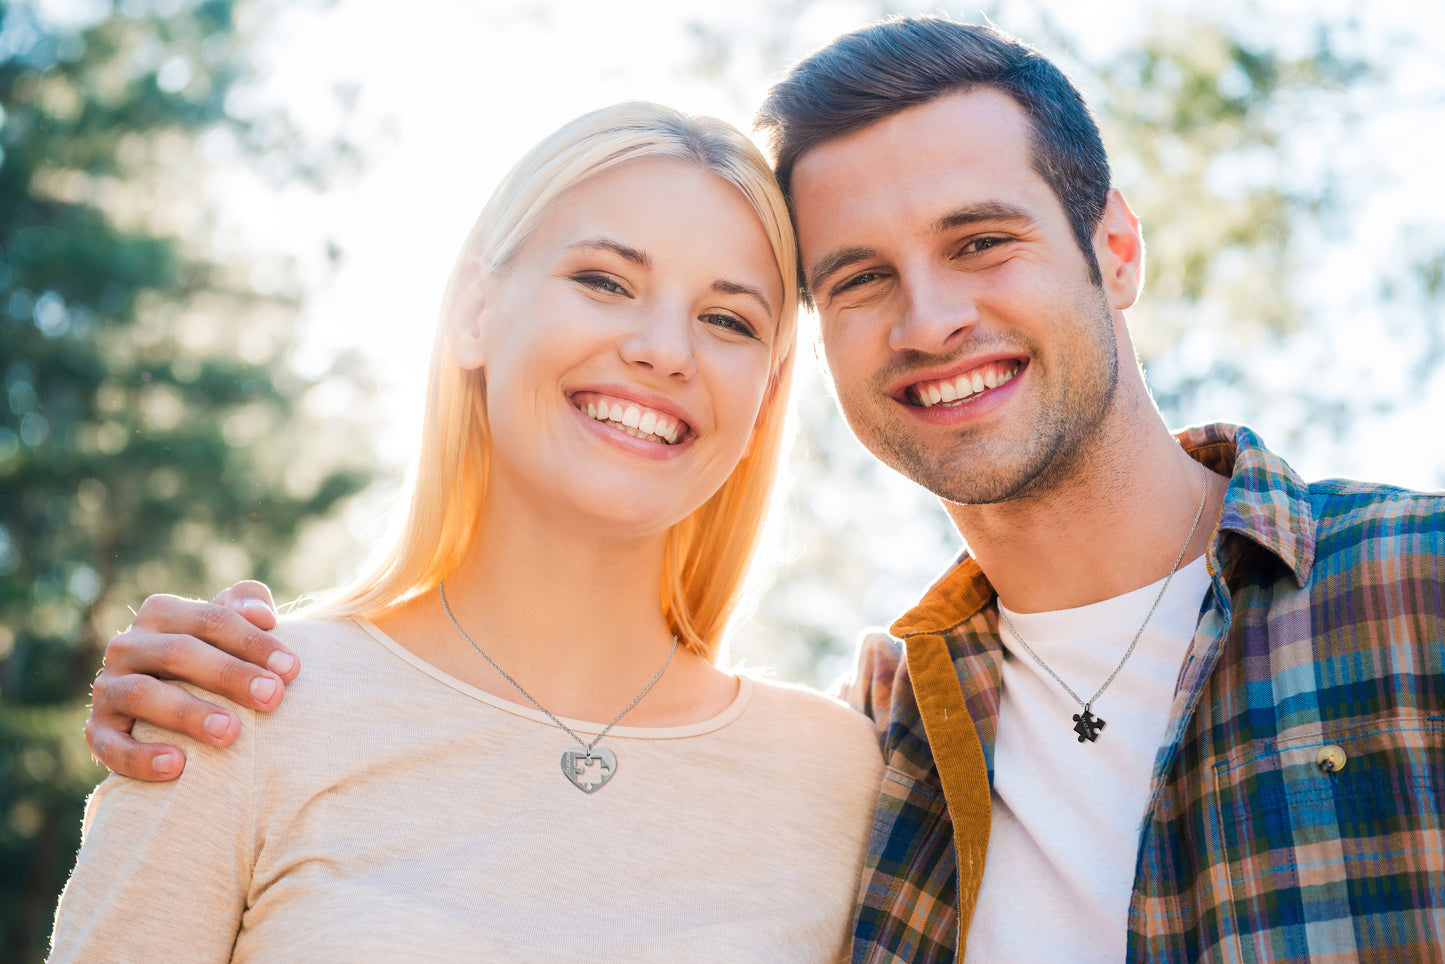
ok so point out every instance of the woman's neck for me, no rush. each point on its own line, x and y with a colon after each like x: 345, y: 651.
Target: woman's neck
x: 576, y: 620
x: 545, y: 585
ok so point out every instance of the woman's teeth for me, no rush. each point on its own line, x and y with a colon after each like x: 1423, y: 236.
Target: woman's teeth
x: 636, y: 421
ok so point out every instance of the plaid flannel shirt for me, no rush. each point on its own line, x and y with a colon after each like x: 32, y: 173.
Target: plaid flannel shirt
x: 1295, y: 808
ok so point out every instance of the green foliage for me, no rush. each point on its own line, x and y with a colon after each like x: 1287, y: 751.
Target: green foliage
x: 151, y: 434
x: 1201, y: 125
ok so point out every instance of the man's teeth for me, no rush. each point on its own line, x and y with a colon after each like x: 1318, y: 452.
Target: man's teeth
x: 639, y: 423
x: 965, y: 386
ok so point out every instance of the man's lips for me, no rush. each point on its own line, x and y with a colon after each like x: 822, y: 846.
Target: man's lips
x: 962, y: 386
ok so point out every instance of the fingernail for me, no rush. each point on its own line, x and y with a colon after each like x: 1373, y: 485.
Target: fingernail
x: 216, y: 725
x: 263, y: 688
x: 257, y: 604
x: 281, y: 663
x: 165, y: 764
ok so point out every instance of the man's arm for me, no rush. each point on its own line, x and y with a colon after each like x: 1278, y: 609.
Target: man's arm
x: 222, y: 646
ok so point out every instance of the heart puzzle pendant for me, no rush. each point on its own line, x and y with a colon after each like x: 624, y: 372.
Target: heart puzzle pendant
x: 589, y: 774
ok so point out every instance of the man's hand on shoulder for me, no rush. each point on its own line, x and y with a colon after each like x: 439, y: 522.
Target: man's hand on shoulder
x: 223, y: 646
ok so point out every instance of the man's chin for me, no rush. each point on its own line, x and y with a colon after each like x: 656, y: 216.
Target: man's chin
x: 958, y: 481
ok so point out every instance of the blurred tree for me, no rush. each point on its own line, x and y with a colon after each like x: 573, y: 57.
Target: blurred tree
x: 1220, y: 143
x: 151, y: 433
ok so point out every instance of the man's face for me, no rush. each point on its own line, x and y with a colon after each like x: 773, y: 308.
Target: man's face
x: 969, y: 347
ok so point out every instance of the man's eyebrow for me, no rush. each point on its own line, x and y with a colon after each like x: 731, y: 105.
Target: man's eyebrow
x: 985, y: 211
x: 640, y: 258
x: 836, y: 261
x: 724, y: 286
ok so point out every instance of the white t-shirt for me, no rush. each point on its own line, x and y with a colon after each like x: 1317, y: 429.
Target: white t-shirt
x: 1066, y: 815
x: 389, y: 812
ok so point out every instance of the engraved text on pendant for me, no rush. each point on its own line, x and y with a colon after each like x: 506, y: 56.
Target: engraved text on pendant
x: 589, y: 773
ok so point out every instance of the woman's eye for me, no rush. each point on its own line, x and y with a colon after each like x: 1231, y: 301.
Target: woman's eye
x: 731, y: 323
x: 600, y: 282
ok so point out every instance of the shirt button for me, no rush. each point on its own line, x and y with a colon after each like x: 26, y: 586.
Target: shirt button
x: 1331, y: 759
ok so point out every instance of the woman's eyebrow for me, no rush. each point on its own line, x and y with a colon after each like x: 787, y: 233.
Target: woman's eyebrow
x: 724, y: 286
x: 640, y: 258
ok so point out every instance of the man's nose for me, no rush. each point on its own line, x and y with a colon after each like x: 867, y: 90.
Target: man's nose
x: 938, y: 308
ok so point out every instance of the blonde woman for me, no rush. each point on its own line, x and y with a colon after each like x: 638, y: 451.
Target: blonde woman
x: 511, y: 741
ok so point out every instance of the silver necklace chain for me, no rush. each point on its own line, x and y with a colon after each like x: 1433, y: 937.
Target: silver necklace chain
x: 1089, y: 725
x: 442, y: 591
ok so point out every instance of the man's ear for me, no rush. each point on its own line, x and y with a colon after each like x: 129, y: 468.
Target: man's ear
x: 1119, y: 246
x: 465, y: 315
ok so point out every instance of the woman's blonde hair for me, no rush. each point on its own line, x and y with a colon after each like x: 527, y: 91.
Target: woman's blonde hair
x: 707, y: 553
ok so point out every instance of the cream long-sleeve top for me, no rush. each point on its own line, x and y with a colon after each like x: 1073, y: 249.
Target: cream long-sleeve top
x: 389, y: 812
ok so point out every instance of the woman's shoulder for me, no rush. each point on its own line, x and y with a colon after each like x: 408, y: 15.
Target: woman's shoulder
x: 821, y: 747
x: 339, y: 650
x: 319, y: 643
x: 321, y: 633
x: 346, y: 661
x: 796, y: 705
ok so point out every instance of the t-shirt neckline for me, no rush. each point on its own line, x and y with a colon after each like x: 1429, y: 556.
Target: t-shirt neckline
x: 729, y: 714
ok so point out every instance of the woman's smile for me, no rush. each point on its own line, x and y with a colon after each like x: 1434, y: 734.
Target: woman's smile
x: 633, y: 418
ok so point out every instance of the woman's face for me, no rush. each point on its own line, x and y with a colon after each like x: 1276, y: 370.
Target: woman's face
x: 627, y: 349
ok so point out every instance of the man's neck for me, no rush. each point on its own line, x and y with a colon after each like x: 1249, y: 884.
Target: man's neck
x: 1115, y: 523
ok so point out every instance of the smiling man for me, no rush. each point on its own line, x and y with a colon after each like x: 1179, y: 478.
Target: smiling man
x: 1174, y: 703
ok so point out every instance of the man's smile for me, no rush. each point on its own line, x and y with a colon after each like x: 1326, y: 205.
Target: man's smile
x: 958, y: 388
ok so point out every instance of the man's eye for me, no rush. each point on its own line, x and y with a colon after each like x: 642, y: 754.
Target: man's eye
x: 857, y: 281
x: 980, y: 245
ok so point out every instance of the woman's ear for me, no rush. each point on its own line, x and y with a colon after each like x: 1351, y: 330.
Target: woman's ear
x: 466, y: 315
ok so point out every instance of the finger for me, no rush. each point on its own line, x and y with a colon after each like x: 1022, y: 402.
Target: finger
x: 138, y: 697
x: 221, y: 627
x: 111, y: 744
x: 173, y: 656
x: 251, y: 599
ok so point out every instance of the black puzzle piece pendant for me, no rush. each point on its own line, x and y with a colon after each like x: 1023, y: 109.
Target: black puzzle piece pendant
x: 1087, y: 725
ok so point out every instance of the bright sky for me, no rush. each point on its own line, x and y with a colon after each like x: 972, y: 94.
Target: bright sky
x: 458, y: 91
x: 450, y: 92
x: 449, y: 95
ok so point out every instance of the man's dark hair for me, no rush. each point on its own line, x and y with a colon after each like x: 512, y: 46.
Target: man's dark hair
x: 878, y: 71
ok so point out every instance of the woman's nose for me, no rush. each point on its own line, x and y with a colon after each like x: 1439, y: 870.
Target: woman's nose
x: 662, y: 342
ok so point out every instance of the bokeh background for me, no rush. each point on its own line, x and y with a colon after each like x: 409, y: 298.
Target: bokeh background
x: 225, y: 226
